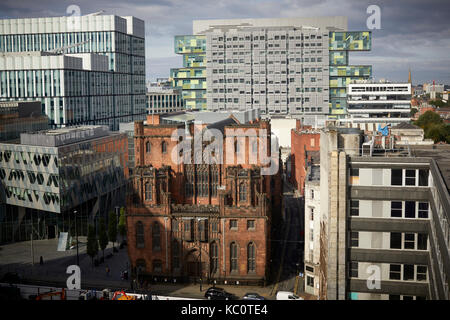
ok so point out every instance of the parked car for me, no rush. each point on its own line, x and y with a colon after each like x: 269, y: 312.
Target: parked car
x: 253, y: 296
x: 10, y: 277
x: 215, y: 293
x: 287, y: 295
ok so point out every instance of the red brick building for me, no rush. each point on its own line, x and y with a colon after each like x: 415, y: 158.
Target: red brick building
x: 305, y: 141
x: 209, y: 221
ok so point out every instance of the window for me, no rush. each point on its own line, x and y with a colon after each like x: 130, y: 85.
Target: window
x: 312, y: 194
x: 354, y: 208
x: 214, y: 251
x: 423, y: 210
x: 410, y: 177
x: 251, y: 260
x: 353, y: 270
x: 233, y: 224
x: 176, y: 254
x: 233, y: 257
x: 140, y: 265
x: 242, y: 192
x: 148, y: 147
x: 410, y: 209
x: 354, y: 172
x: 423, y: 178
x: 396, y: 209
x: 250, y: 224
x: 394, y: 297
x: 354, y: 239
x: 395, y: 272
x: 164, y: 147
x: 408, y: 272
x: 422, y: 241
x: 139, y: 235
x: 312, y: 214
x: 156, y: 237
x: 421, y: 273
x: 157, y: 266
x: 310, y: 281
x: 396, y: 177
x: 396, y: 240
x: 409, y: 241
x: 148, y: 192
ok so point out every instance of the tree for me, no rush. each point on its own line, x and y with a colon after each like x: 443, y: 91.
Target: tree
x: 92, y: 243
x: 413, y: 111
x: 102, y: 236
x: 112, y: 227
x: 434, y: 127
x: 427, y: 119
x: 122, y: 223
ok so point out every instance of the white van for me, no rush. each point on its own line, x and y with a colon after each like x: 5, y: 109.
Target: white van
x: 287, y: 295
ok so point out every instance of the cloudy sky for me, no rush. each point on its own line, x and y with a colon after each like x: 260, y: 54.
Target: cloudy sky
x: 414, y: 33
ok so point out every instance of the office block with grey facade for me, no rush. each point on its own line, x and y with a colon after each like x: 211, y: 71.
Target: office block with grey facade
x: 385, y: 217
x: 285, y: 67
x: 62, y: 90
x: 51, y: 174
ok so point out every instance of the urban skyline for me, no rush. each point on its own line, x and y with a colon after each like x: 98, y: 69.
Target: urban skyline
x: 408, y: 38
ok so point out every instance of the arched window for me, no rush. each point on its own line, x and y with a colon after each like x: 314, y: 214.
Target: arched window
x: 233, y: 257
x: 148, y: 192
x: 157, y: 266
x: 214, y: 254
x: 175, y: 254
x: 251, y: 257
x: 140, y: 266
x: 164, y: 147
x: 242, y: 192
x: 140, y: 235
x: 148, y: 147
x: 156, y: 237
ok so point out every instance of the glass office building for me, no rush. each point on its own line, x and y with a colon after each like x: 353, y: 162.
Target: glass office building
x: 119, y: 39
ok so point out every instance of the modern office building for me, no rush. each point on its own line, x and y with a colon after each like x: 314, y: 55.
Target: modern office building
x: 17, y: 117
x: 191, y: 78
x: 289, y: 67
x: 164, y: 100
x: 384, y: 216
x: 372, y: 104
x: 195, y: 220
x: 74, y: 92
x: 51, y: 177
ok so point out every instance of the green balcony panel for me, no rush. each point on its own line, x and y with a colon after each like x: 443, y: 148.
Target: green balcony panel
x: 338, y: 58
x: 351, y: 40
x: 350, y: 71
x: 190, y: 44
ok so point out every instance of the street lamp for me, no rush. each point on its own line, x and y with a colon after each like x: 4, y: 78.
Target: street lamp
x: 76, y: 234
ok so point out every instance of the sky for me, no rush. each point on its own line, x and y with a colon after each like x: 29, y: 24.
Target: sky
x: 413, y: 34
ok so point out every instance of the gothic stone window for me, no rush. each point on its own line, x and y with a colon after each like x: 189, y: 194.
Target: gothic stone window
x: 156, y: 237
x: 176, y: 254
x: 148, y: 147
x: 148, y: 192
x: 242, y: 192
x: 164, y: 147
x: 140, y: 235
x: 214, y: 253
x: 251, y: 260
x: 233, y: 257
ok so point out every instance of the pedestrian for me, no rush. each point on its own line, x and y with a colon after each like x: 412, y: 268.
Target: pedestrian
x: 41, y: 261
x: 107, y: 271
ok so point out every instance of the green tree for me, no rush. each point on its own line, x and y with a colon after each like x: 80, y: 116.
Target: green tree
x: 413, y: 111
x: 427, y: 119
x: 112, y: 227
x: 102, y: 236
x: 122, y: 223
x: 92, y: 243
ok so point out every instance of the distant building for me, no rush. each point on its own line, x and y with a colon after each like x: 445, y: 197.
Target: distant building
x: 304, y: 147
x: 17, y: 117
x: 164, y: 100
x: 49, y: 175
x: 371, y: 104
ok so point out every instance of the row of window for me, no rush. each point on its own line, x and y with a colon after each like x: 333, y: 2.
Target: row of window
x: 402, y: 272
x: 399, y: 209
x: 403, y: 177
x: 214, y: 259
x: 398, y: 240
